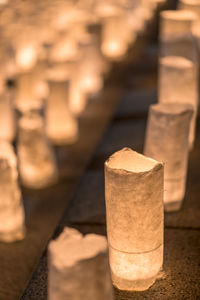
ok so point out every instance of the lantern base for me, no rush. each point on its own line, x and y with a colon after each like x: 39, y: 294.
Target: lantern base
x: 130, y: 285
x: 135, y: 271
x: 39, y: 180
x: 172, y: 206
x: 12, y: 236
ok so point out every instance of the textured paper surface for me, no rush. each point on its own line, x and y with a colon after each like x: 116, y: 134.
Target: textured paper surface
x: 134, y: 213
x: 167, y: 140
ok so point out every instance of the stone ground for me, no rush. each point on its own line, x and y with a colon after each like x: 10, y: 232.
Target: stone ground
x: 24, y: 265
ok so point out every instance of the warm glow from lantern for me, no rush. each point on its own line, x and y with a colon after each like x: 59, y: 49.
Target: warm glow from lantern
x: 7, y: 117
x: 26, y: 57
x: 77, y: 99
x: 90, y: 83
x: 134, y: 214
x: 176, y: 38
x: 61, y: 125
x: 167, y: 140
x: 193, y: 6
x: 37, y: 162
x: 90, y: 67
x: 114, y: 38
x: 64, y: 49
x: 114, y: 48
x: 3, y: 2
x: 178, y: 82
x: 11, y: 206
x: 30, y: 90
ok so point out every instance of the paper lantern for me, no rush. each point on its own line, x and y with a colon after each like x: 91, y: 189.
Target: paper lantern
x: 194, y: 6
x: 31, y: 89
x: 178, y: 82
x: 7, y: 117
x: 61, y: 126
x: 90, y: 66
x: 77, y: 98
x: 37, y: 164
x: 78, y: 267
x: 134, y: 215
x: 167, y: 141
x: 114, y: 44
x: 176, y: 37
x: 12, y: 226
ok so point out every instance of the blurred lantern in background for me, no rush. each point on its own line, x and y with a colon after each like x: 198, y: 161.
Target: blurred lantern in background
x: 12, y: 226
x: 37, y: 164
x: 176, y: 34
x: 61, y: 125
x: 178, y: 83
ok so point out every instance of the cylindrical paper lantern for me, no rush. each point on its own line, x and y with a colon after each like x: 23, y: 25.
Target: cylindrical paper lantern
x: 178, y: 83
x: 7, y: 117
x: 90, y: 66
x: 12, y: 226
x: 176, y: 37
x: 77, y: 98
x: 78, y: 267
x: 37, y: 163
x: 194, y: 6
x: 134, y: 214
x: 61, y: 126
x: 167, y: 141
x: 30, y: 90
x: 114, y: 32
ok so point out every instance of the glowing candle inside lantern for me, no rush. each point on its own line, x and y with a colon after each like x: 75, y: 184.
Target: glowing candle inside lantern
x: 37, y: 164
x: 78, y: 267
x: 11, y: 207
x: 176, y: 38
x: 134, y: 214
x: 178, y: 82
x: 7, y: 117
x: 26, y: 57
x: 114, y: 44
x: 167, y: 141
x: 61, y: 126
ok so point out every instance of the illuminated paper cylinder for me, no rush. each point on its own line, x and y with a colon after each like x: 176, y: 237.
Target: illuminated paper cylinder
x: 37, y: 163
x: 7, y: 117
x: 78, y: 267
x: 193, y: 6
x: 114, y: 44
x: 170, y: 123
x: 61, y: 126
x: 77, y: 98
x: 12, y: 226
x: 90, y: 66
x: 30, y: 90
x: 178, y: 82
x: 134, y: 214
x: 176, y: 38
